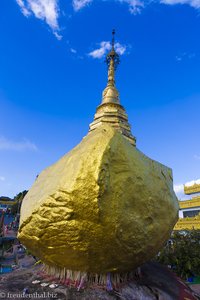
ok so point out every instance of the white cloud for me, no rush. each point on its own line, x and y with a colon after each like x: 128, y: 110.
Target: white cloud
x: 135, y: 6
x: 106, y: 46
x: 2, y: 178
x: 193, y: 3
x: 79, y: 4
x: 6, y: 144
x: 46, y: 10
x: 72, y: 50
x: 120, y: 49
x: 178, y: 188
x: 100, y: 52
x: 24, y: 10
x: 190, y: 183
x: 57, y: 35
x: 179, y: 191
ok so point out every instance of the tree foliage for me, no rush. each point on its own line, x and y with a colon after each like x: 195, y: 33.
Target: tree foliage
x: 18, y: 199
x: 182, y: 253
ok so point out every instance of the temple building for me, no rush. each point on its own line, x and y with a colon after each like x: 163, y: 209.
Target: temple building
x: 6, y: 204
x: 189, y: 210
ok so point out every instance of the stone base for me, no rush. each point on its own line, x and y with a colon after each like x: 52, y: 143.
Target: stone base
x: 154, y: 281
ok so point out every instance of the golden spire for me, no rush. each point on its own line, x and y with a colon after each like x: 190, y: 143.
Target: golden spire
x: 111, y: 94
x: 110, y: 111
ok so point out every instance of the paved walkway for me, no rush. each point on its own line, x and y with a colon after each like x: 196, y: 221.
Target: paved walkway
x: 195, y: 288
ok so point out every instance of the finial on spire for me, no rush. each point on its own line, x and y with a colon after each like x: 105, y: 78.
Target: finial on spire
x: 113, y: 55
x: 113, y: 39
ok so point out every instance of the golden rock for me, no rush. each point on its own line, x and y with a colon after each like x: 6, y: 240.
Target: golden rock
x: 102, y: 207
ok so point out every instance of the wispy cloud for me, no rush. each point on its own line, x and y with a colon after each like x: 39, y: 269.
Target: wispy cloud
x: 185, y: 56
x: 72, y: 50
x: 120, y: 49
x: 49, y: 11
x: 179, y: 190
x: 79, y: 4
x: 135, y: 6
x: 25, y: 145
x: 2, y: 178
x: 106, y: 46
x: 193, y: 3
x: 100, y: 52
x: 23, y: 7
x: 46, y: 10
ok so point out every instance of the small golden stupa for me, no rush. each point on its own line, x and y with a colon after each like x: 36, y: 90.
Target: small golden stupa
x: 104, y: 207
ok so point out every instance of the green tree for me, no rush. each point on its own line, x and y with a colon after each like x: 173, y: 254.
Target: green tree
x: 18, y: 202
x: 182, y: 252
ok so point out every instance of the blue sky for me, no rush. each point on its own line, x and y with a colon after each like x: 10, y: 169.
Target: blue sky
x: 52, y: 74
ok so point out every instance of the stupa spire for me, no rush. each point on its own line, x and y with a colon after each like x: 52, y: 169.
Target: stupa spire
x: 110, y: 93
x: 112, y: 60
x: 110, y: 111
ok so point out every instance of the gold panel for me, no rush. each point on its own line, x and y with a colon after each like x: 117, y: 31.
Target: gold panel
x: 188, y: 223
x: 194, y: 202
x: 192, y: 189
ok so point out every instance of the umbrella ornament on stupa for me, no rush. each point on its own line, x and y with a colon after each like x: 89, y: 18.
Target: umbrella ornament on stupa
x: 104, y: 208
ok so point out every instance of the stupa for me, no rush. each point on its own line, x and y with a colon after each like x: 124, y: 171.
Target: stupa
x: 104, y: 208
x: 110, y: 111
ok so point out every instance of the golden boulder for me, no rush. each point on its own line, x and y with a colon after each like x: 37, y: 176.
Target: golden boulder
x: 103, y: 207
